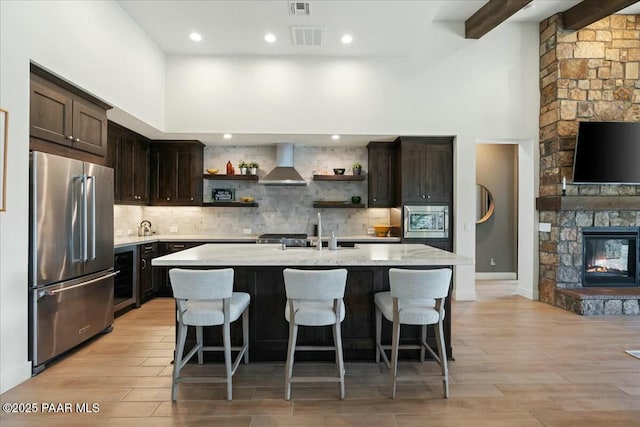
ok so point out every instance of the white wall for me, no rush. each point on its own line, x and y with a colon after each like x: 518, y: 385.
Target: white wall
x: 481, y: 89
x: 98, y: 47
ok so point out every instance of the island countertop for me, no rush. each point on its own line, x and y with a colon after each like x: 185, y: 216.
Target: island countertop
x: 391, y: 255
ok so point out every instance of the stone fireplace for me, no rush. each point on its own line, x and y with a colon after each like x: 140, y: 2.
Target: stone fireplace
x: 588, y: 75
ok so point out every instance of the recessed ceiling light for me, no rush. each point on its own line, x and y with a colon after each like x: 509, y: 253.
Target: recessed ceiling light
x: 270, y: 38
x: 347, y: 38
x: 196, y: 37
x: 227, y: 136
x: 335, y: 137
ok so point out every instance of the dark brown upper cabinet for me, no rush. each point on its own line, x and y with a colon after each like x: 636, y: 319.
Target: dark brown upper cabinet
x: 176, y: 173
x: 381, y: 174
x: 64, y: 115
x: 425, y: 173
x: 128, y: 154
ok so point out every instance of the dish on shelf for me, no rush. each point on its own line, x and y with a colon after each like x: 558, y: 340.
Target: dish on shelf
x: 213, y: 171
x: 247, y: 199
x: 381, y: 230
x: 331, y: 202
x: 339, y: 171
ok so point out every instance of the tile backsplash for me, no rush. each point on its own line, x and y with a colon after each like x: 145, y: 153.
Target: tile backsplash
x: 281, y: 209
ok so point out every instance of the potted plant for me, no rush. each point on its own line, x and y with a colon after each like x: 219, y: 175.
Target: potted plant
x: 253, y: 167
x: 357, y: 168
x: 244, y: 166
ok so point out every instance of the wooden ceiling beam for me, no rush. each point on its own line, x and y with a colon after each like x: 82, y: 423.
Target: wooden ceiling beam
x: 489, y: 16
x: 589, y: 11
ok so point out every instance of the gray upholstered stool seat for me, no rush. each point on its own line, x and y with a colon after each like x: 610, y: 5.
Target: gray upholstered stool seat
x: 314, y: 298
x: 416, y: 298
x: 206, y: 298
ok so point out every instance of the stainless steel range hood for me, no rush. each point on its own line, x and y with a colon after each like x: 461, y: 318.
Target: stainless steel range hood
x: 284, y: 172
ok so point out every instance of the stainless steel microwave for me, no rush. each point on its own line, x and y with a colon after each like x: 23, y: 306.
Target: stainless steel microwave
x: 426, y: 222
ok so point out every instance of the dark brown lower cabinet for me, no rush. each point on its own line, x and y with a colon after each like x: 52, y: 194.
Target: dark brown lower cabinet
x: 269, y: 331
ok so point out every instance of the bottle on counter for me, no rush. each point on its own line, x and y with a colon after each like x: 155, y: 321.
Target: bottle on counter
x: 230, y: 168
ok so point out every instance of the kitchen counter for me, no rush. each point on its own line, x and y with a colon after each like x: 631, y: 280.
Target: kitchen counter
x: 258, y: 272
x: 363, y: 254
x: 247, y: 238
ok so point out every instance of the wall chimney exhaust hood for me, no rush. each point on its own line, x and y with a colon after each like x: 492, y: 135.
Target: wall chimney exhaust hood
x: 284, y: 173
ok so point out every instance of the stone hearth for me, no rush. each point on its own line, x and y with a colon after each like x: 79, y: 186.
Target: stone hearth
x: 599, y: 301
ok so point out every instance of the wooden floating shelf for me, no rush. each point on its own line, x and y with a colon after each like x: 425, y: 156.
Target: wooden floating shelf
x: 230, y: 205
x: 588, y: 203
x: 338, y: 177
x: 231, y: 177
x: 338, y: 205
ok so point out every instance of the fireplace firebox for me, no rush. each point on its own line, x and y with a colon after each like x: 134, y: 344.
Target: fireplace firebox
x: 610, y: 256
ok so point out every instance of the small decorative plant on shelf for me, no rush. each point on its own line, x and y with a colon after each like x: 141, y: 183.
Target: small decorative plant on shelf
x: 253, y: 168
x: 244, y: 167
x: 357, y: 168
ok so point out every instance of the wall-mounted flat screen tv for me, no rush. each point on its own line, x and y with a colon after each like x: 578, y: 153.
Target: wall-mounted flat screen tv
x: 607, y: 153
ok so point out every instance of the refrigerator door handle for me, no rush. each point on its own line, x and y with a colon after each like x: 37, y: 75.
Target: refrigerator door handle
x: 85, y: 250
x: 93, y: 216
x: 57, y: 291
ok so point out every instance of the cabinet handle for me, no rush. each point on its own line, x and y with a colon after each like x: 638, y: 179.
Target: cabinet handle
x: 424, y: 197
x: 428, y: 197
x: 144, y: 264
x: 148, y: 248
x: 192, y: 199
x: 375, y: 200
x: 77, y: 139
x: 168, y: 198
x: 70, y: 137
x: 178, y: 246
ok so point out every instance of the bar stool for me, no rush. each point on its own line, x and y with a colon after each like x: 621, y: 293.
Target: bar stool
x: 314, y: 298
x: 206, y: 298
x: 416, y: 298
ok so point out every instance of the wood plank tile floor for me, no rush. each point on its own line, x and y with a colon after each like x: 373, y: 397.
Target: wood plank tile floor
x: 518, y: 363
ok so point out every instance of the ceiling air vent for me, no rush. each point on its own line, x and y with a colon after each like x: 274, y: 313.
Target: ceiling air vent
x: 307, y: 36
x: 299, y: 8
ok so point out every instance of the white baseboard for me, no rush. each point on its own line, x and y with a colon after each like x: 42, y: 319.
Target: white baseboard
x: 15, y: 376
x: 464, y: 295
x: 496, y: 276
x: 531, y: 294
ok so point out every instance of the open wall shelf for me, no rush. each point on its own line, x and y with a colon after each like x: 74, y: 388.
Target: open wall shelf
x: 338, y: 177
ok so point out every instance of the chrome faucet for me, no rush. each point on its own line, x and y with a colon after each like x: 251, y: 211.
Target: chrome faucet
x: 319, y: 231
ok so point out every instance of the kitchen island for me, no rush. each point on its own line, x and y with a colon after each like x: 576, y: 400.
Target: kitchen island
x: 258, y: 271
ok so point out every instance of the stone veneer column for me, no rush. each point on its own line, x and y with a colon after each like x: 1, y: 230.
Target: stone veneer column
x: 588, y: 75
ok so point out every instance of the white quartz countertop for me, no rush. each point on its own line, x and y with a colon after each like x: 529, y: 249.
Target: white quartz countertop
x: 379, y: 254
x: 120, y: 242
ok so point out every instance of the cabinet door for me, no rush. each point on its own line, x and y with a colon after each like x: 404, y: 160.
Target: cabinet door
x: 413, y: 172
x: 188, y: 182
x: 140, y: 176
x: 50, y: 113
x: 439, y: 172
x: 163, y: 174
x: 89, y: 128
x: 177, y: 174
x: 381, y: 175
x: 147, y: 283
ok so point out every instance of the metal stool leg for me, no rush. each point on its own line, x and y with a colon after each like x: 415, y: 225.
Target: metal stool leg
x: 245, y: 334
x: 423, y: 342
x: 200, y: 343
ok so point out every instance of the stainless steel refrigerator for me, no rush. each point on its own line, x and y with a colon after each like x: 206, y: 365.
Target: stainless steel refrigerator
x: 70, y: 254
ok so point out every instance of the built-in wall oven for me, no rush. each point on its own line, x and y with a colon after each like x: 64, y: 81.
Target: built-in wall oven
x: 426, y: 222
